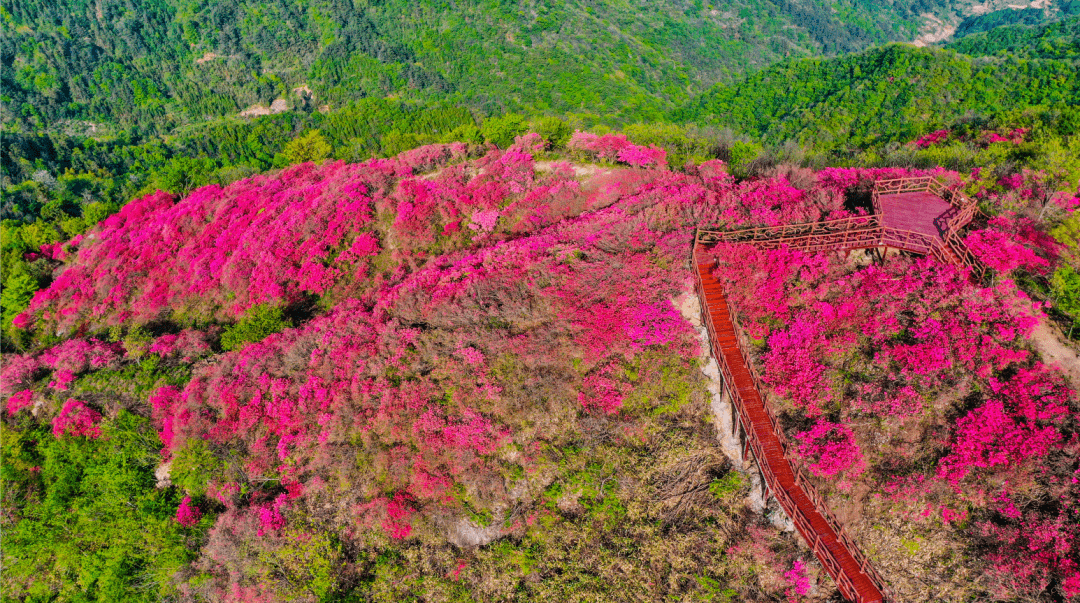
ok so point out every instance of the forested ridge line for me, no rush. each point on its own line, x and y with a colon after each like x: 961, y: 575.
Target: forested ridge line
x: 888, y: 94
x: 155, y: 64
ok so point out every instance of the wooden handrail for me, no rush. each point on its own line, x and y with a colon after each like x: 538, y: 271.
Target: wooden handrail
x: 843, y: 234
x: 824, y: 553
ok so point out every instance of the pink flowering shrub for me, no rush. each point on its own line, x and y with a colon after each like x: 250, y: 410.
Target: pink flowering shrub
x: 643, y: 156
x: 187, y: 344
x: 831, y: 450
x: 78, y: 355
x: 605, y: 147
x: 1015, y: 136
x: 1014, y: 242
x: 270, y: 516
x: 797, y: 578
x: 187, y: 514
x: 928, y: 140
x: 1020, y: 423
x: 650, y: 324
x: 471, y: 355
x: 167, y: 411
x: 603, y: 390
x: 18, y: 371
x: 19, y: 401
x: 76, y: 419
x: 1033, y: 548
x: 397, y: 517
x: 483, y: 220
x: 611, y: 147
x: 62, y: 380
x: 220, y: 250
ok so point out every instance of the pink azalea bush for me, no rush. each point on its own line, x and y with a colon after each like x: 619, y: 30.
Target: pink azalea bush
x: 831, y: 450
x: 612, y: 147
x: 188, y: 514
x: 797, y: 578
x: 468, y: 318
x: 928, y: 140
x: 76, y: 419
x: 18, y: 371
x: 219, y: 251
x: 1014, y: 242
x: 188, y: 344
x: 19, y: 401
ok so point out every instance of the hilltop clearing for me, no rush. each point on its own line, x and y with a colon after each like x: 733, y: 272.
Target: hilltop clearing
x: 451, y: 376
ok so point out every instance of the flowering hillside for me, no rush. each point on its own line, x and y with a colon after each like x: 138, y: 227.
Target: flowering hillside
x: 482, y: 382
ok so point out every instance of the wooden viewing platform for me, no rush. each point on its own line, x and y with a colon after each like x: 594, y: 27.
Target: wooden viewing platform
x: 917, y: 215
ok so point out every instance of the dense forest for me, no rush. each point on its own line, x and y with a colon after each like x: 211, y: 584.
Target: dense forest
x: 1057, y: 40
x: 156, y: 64
x: 384, y: 301
x: 892, y: 94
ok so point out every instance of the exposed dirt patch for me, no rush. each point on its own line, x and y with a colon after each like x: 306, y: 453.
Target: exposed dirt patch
x: 579, y: 170
x: 1050, y: 344
x: 278, y: 106
x: 209, y: 56
x: 934, y: 30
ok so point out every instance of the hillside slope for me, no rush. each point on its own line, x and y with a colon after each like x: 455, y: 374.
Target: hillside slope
x: 153, y: 64
x: 336, y: 381
x: 890, y: 94
x: 1060, y: 40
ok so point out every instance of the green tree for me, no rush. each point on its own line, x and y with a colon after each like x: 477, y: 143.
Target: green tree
x: 464, y: 133
x: 19, y: 289
x: 309, y: 147
x: 395, y: 142
x: 554, y: 130
x: 743, y: 154
x: 85, y: 520
x: 181, y: 175
x: 503, y: 130
x: 256, y: 324
x: 1066, y: 287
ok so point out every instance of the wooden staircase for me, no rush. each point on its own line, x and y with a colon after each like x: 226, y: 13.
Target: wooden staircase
x: 852, y: 572
x: 933, y: 232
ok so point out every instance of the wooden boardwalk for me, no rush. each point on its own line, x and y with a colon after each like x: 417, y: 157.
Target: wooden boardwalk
x: 916, y: 215
x: 840, y: 557
x: 916, y: 211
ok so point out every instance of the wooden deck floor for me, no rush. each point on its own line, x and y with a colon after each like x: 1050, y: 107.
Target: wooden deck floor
x: 919, y: 212
x: 813, y: 526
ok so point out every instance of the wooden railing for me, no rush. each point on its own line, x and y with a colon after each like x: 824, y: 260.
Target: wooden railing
x: 753, y: 441
x: 844, y: 234
x: 868, y: 232
x: 864, y: 232
x: 856, y: 232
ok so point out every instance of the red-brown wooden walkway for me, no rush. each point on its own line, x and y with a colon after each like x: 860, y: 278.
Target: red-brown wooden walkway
x: 840, y: 557
x: 913, y: 214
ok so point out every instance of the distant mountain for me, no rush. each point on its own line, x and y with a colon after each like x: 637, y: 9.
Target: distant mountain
x: 887, y: 94
x: 1058, y: 40
x: 1013, y: 17
x: 73, y: 65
